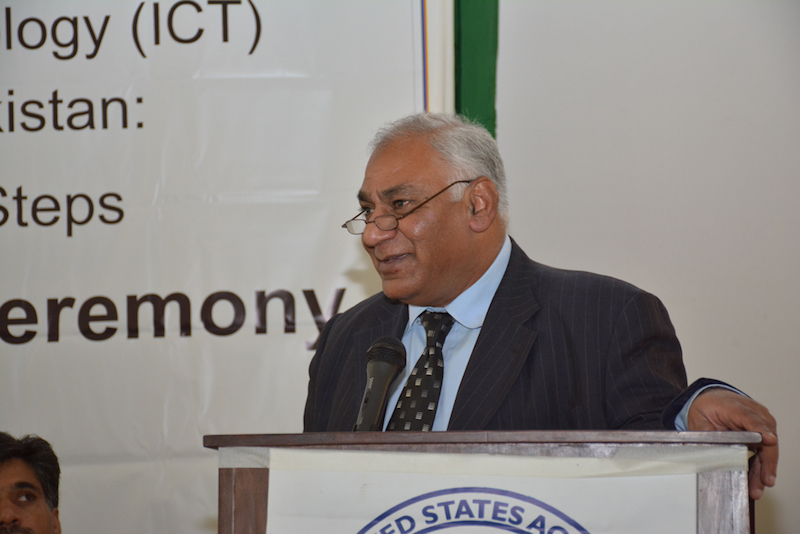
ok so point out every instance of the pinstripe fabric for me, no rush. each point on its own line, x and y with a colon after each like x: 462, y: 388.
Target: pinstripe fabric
x: 559, y: 350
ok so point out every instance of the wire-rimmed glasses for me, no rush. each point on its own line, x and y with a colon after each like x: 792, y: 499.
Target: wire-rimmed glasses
x: 388, y: 222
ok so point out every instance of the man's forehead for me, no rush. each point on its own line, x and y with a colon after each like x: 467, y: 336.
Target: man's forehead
x: 17, y: 474
x: 405, y: 166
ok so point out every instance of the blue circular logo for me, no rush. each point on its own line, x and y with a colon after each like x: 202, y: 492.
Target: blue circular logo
x: 473, y: 510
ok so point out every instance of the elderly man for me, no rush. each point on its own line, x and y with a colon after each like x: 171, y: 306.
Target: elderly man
x: 509, y: 344
x: 29, y: 474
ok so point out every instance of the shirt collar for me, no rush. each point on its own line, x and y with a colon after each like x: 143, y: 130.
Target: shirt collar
x: 470, y: 307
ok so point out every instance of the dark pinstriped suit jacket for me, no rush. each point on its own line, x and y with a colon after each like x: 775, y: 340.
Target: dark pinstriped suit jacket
x: 559, y: 350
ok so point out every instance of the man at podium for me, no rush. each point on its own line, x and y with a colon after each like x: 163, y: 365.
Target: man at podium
x: 506, y: 343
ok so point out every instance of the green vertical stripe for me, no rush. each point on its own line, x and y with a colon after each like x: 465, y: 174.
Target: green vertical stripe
x: 476, y: 60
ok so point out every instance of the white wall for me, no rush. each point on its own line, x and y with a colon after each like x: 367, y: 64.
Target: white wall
x: 659, y: 142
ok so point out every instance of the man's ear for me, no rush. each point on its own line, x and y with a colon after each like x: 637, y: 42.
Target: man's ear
x: 483, y: 203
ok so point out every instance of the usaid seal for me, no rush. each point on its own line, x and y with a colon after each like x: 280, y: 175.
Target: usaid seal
x: 473, y: 510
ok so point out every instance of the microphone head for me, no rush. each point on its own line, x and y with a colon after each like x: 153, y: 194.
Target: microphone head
x: 388, y: 349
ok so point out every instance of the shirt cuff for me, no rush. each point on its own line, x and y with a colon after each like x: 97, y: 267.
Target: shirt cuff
x: 682, y: 419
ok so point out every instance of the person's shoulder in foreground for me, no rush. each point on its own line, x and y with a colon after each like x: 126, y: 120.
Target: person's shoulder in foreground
x: 29, y: 475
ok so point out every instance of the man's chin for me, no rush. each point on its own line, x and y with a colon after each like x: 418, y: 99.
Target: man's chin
x: 395, y: 290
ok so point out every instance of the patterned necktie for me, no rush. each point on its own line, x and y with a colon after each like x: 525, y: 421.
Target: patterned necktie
x: 416, y: 407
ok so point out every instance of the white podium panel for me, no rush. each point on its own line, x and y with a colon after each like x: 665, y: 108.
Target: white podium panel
x: 480, y: 482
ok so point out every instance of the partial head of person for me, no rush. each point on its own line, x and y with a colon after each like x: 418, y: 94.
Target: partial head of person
x: 29, y: 474
x: 434, y: 207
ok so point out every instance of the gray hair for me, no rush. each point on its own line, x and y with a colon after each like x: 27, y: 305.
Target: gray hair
x: 466, y: 146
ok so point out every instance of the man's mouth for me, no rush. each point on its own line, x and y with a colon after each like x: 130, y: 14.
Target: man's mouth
x: 388, y: 260
x: 15, y: 529
x: 389, y: 264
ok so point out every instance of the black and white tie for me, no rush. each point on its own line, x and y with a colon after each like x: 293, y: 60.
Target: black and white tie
x: 416, y: 408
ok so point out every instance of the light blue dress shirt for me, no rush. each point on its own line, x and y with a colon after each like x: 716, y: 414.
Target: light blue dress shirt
x: 469, y: 311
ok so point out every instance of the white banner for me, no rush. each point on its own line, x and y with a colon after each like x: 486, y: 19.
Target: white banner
x: 173, y: 177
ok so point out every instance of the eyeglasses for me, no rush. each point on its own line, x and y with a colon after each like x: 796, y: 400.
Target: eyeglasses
x: 389, y: 222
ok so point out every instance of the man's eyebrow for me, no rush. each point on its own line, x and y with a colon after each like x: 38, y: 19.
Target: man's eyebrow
x: 22, y: 484
x: 391, y: 192
x: 400, y: 189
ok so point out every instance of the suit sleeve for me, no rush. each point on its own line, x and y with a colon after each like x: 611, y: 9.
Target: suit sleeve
x: 645, y: 369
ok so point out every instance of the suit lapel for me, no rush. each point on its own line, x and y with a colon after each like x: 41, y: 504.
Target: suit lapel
x: 502, y: 348
x: 389, y: 319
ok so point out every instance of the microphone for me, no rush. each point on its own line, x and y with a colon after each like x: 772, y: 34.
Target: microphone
x: 385, y: 359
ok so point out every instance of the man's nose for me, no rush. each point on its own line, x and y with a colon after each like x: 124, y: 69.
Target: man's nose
x: 8, y: 513
x: 373, y: 235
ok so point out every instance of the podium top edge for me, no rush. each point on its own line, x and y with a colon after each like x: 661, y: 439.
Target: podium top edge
x: 338, y: 439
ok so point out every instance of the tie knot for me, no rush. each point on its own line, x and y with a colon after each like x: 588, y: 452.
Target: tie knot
x: 437, y: 325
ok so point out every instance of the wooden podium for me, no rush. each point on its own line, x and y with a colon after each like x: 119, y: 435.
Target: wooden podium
x: 722, y: 496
